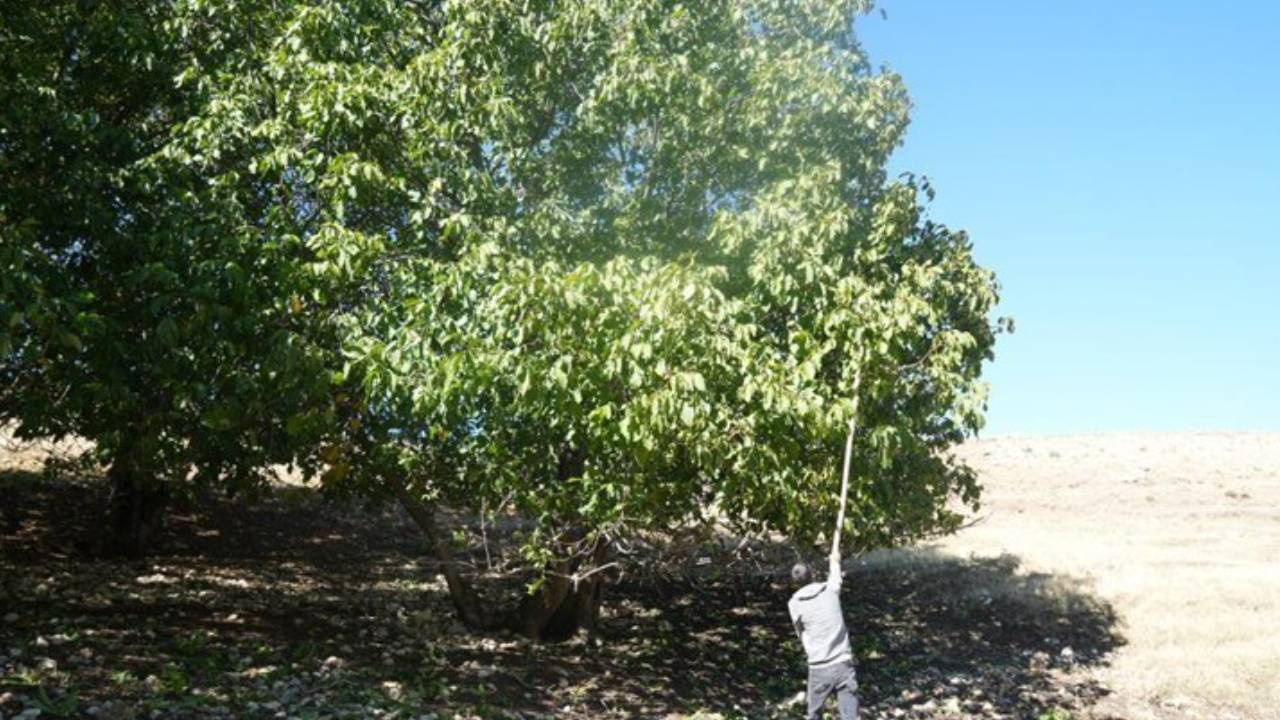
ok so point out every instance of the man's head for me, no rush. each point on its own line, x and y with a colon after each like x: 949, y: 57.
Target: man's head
x: 801, y: 575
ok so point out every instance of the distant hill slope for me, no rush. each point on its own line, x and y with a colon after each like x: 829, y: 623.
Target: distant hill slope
x: 1179, y: 531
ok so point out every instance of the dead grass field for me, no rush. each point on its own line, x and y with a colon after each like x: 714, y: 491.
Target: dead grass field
x: 1180, y: 533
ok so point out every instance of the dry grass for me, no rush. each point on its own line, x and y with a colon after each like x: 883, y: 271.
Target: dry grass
x: 1179, y: 532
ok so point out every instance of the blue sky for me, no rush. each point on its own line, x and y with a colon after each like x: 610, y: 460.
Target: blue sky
x: 1118, y: 166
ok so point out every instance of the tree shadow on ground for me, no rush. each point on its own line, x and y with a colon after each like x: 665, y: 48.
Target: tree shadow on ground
x: 936, y: 636
x: 299, y: 606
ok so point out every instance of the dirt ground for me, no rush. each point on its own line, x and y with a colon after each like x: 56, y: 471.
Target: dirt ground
x: 1076, y: 596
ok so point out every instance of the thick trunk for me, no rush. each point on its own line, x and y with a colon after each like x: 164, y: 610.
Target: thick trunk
x: 569, y: 598
x: 556, y: 611
x: 460, y: 590
x: 135, y: 510
x: 579, y: 611
x: 561, y: 607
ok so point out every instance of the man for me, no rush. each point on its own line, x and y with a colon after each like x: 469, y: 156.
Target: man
x: 815, y: 610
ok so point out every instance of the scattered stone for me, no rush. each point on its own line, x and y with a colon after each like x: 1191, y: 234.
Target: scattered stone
x: 156, y: 579
x: 11, y: 617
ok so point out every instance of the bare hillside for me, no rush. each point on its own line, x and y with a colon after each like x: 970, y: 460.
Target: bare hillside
x: 1179, y: 532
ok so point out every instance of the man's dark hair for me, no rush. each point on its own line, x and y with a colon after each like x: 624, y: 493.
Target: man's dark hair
x: 801, y: 574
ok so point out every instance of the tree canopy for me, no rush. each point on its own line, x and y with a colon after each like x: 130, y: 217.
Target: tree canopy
x: 132, y: 313
x: 613, y: 265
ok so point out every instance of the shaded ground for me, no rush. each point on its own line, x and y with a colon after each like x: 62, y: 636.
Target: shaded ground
x: 293, y: 607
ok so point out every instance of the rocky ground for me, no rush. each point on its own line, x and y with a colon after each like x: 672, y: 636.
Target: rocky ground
x: 296, y: 607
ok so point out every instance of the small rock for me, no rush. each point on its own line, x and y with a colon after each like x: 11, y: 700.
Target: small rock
x: 11, y: 617
x: 28, y: 714
x: 1068, y: 654
x: 155, y: 579
x: 41, y: 642
x: 48, y: 664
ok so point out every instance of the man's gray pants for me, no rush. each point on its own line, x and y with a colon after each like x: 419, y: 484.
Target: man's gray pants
x: 839, y: 678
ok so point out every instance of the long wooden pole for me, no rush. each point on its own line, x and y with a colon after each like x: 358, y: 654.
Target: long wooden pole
x: 848, y: 454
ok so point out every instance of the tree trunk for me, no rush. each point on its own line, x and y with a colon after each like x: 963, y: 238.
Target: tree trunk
x: 560, y: 607
x: 556, y: 611
x: 569, y: 598
x: 135, y: 509
x: 460, y: 590
x: 579, y: 611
